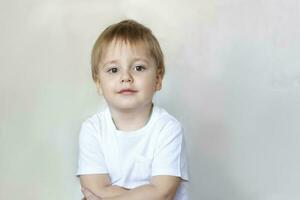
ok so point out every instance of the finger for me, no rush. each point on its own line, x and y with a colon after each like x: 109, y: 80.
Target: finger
x: 87, y: 193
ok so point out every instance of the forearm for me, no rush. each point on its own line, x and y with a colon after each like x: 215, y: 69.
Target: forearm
x: 111, y: 191
x: 144, y: 192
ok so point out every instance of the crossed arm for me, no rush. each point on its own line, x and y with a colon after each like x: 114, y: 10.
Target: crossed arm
x: 159, y: 188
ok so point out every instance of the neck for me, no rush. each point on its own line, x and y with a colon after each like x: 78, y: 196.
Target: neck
x: 131, y: 120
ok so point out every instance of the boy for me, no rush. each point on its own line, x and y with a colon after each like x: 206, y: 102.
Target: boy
x: 133, y: 149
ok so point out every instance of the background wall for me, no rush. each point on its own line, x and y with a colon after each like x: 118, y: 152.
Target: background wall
x: 233, y: 80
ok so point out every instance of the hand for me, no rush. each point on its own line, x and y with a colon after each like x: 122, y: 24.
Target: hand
x: 88, y: 195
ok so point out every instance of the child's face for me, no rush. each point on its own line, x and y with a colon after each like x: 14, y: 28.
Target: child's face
x: 125, y: 66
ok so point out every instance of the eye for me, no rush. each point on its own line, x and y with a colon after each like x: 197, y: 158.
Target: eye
x: 139, y: 68
x: 113, y: 70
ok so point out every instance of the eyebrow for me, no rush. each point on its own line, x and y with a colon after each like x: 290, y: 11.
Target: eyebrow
x: 134, y: 60
x: 142, y: 59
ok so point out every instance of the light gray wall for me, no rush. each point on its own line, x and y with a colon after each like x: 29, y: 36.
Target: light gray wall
x: 233, y: 80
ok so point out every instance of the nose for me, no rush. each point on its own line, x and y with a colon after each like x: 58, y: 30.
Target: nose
x: 126, y: 77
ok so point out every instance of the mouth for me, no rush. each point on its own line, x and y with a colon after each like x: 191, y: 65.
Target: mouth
x: 127, y: 91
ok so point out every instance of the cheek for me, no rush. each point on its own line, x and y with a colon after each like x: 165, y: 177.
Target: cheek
x: 150, y: 84
x: 107, y: 81
x: 106, y: 87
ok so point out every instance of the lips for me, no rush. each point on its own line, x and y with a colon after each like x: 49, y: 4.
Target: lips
x: 129, y: 91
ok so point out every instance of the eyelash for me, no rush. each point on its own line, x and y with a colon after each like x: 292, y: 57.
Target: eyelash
x: 140, y: 66
x: 110, y: 70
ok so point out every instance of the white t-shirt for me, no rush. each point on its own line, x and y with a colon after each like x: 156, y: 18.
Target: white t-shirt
x: 131, y: 158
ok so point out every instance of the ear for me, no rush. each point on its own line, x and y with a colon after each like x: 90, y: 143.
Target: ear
x: 99, y: 90
x: 158, y: 79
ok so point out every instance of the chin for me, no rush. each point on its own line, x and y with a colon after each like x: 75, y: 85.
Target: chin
x: 129, y: 105
x: 125, y: 106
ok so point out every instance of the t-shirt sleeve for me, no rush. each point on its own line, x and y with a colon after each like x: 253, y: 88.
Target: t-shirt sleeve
x: 90, y: 159
x: 170, y: 156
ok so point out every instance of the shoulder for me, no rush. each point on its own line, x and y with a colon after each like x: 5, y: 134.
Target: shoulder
x: 166, y: 118
x: 93, y: 123
x: 166, y: 121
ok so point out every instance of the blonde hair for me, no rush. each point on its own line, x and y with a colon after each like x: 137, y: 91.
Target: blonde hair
x: 129, y: 31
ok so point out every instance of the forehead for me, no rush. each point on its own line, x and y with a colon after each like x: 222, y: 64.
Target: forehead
x: 118, y: 48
